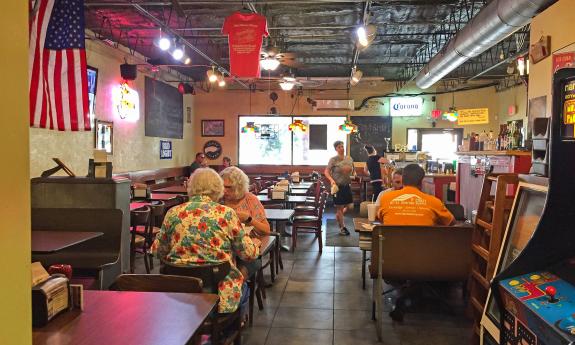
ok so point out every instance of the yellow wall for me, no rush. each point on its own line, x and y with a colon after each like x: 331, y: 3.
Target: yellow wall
x: 229, y: 104
x: 132, y: 149
x: 15, y: 313
x: 556, y: 22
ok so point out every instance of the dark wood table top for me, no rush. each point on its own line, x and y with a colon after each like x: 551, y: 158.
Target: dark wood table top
x: 301, y: 185
x: 275, y: 214
x: 291, y: 198
x: 358, y: 224
x: 113, y: 317
x: 267, y: 244
x: 292, y: 192
x: 53, y: 241
x: 181, y: 189
x: 162, y: 196
x: 136, y: 205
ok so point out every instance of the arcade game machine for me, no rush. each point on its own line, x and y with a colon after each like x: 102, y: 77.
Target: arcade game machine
x: 535, y: 294
x: 523, y: 218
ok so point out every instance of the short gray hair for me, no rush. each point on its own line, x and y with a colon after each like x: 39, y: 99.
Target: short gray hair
x: 240, y: 181
x: 207, y: 182
x: 337, y: 143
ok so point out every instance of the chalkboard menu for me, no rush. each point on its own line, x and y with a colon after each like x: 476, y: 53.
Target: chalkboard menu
x: 371, y: 130
x: 164, y: 110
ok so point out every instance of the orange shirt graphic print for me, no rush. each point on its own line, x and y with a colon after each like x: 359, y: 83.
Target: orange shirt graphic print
x: 410, y: 206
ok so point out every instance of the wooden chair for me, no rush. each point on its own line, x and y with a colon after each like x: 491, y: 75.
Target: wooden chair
x: 157, y: 283
x: 457, y: 211
x: 310, y: 223
x: 418, y: 254
x: 211, y: 275
x: 140, y: 226
x: 312, y: 202
x: 278, y: 253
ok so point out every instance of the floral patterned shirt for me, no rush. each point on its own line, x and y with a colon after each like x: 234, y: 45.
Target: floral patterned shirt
x: 204, y: 232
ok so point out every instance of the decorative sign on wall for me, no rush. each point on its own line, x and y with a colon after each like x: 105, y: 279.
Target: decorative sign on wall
x: 126, y: 102
x: 406, y: 106
x: 165, y: 149
x: 563, y: 60
x: 212, y: 149
x: 473, y: 116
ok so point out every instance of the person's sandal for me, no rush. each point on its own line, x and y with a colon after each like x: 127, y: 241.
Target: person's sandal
x: 345, y: 231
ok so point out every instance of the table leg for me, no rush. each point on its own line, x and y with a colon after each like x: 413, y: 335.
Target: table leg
x: 363, y: 262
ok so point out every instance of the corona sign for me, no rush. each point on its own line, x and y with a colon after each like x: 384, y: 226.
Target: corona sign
x: 406, y: 106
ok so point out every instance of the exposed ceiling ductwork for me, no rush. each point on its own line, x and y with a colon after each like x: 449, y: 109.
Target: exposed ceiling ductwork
x: 493, y: 23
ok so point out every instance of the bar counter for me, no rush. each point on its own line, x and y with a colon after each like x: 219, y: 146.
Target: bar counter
x: 472, y: 165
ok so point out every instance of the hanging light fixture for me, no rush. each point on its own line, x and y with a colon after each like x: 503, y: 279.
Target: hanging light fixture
x: 269, y: 63
x: 356, y: 75
x: 178, y: 53
x: 297, y: 125
x: 452, y: 115
x: 286, y: 85
x: 250, y: 127
x: 164, y: 43
x: 221, y: 81
x: 212, y: 75
x: 365, y: 35
x: 348, y: 127
x: 187, y: 60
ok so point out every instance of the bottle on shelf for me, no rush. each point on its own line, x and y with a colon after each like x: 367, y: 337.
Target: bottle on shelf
x: 482, y: 139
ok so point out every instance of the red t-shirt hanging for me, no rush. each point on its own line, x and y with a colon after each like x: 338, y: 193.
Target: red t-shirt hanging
x: 245, y: 31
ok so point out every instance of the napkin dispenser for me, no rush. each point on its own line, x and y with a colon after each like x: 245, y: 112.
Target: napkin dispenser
x: 141, y: 191
x: 50, y: 298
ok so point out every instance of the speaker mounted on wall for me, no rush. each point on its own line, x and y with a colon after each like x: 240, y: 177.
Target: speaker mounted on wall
x: 128, y: 72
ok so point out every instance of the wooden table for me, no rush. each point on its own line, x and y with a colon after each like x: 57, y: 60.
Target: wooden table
x: 112, y: 317
x: 137, y: 205
x: 279, y: 215
x: 181, y: 189
x: 44, y: 242
x: 163, y: 196
x: 291, y: 192
x: 290, y: 199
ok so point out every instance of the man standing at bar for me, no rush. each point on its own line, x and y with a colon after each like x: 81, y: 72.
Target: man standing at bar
x: 339, y: 171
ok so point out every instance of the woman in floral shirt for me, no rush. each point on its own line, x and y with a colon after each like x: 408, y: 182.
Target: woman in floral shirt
x: 202, y: 231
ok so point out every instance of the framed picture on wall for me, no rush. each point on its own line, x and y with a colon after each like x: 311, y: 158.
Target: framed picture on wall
x: 92, y: 87
x: 213, y: 128
x: 104, y: 138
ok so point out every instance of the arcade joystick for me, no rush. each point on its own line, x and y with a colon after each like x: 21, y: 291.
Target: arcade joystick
x: 551, y: 292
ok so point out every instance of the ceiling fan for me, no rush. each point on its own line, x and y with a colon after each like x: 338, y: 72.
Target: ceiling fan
x: 273, y: 52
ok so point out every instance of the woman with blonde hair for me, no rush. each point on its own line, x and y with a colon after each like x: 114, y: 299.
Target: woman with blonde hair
x: 249, y: 209
x: 202, y: 232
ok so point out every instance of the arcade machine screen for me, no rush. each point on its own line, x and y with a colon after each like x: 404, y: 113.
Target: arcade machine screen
x: 568, y: 96
x: 523, y: 221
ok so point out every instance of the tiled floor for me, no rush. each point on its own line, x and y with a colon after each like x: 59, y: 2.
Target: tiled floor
x: 317, y: 299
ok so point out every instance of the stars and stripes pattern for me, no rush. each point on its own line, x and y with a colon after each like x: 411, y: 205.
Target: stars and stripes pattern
x: 57, y: 67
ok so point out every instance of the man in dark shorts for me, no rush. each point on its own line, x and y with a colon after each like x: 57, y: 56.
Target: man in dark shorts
x: 339, y: 171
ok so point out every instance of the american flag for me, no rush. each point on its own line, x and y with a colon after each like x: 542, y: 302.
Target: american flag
x: 57, y: 67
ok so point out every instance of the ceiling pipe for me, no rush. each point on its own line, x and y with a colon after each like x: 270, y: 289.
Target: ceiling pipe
x: 492, y: 24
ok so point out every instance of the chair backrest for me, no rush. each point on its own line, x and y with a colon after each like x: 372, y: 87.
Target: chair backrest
x: 158, y: 211
x: 141, y: 217
x: 456, y: 210
x: 210, y: 275
x: 156, y: 283
x: 321, y: 205
x: 422, y: 253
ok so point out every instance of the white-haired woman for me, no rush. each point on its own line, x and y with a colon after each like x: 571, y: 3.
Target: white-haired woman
x: 202, y: 231
x: 248, y: 208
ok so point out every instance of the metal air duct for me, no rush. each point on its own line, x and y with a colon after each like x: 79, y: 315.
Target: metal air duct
x: 492, y: 24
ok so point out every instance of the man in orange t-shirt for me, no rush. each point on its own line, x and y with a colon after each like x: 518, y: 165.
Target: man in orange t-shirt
x: 410, y: 206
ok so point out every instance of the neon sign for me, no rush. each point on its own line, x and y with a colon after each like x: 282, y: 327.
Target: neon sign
x: 126, y: 102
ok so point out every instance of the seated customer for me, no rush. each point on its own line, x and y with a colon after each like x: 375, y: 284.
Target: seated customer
x: 199, y: 162
x: 249, y: 209
x: 202, y: 231
x: 410, y: 206
x: 396, y: 184
x: 226, y: 163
